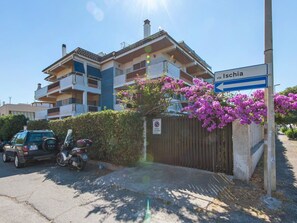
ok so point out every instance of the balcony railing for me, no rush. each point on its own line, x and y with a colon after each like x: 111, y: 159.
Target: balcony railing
x: 154, y: 71
x: 75, y: 81
x: 66, y: 110
x: 42, y: 92
x: 39, y: 115
x: 53, y: 87
x: 53, y: 111
x: 186, y: 77
x: 134, y: 74
x: 92, y: 108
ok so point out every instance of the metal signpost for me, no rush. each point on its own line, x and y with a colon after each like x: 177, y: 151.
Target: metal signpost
x: 270, y: 167
x: 258, y: 76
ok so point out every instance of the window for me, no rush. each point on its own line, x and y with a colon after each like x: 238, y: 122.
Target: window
x: 138, y: 66
x: 118, y: 72
x: 38, y: 136
x: 20, y: 138
x: 128, y: 70
x: 78, y: 67
x: 13, y: 139
x: 93, y: 72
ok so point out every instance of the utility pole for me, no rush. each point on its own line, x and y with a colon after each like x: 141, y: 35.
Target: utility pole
x: 270, y: 168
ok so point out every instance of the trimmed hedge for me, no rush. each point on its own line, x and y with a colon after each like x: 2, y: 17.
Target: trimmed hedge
x: 38, y: 125
x: 10, y: 125
x: 117, y: 136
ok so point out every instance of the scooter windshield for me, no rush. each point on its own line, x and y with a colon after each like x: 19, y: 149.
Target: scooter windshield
x: 69, y: 138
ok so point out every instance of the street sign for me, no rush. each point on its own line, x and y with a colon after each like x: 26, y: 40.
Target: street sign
x: 243, y: 78
x: 157, y: 126
x: 241, y: 84
x: 241, y: 73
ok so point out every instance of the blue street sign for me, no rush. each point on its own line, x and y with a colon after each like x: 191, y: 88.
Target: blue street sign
x: 241, y: 84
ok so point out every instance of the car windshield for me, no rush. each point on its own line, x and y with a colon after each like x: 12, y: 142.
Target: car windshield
x: 38, y: 136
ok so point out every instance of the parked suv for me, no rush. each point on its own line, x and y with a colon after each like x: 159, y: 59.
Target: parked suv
x: 29, y: 145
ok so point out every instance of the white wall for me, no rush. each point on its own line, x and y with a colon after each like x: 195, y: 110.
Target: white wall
x: 247, y: 149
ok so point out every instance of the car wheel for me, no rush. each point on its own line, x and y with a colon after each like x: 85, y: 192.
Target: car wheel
x: 17, y: 162
x: 5, y: 157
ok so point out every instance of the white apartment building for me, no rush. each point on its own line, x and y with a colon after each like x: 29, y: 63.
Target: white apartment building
x: 82, y: 81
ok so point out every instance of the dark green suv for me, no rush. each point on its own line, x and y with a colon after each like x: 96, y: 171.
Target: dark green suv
x: 29, y: 145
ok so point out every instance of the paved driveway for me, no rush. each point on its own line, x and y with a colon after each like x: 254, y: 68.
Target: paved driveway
x: 186, y: 187
x: 49, y: 193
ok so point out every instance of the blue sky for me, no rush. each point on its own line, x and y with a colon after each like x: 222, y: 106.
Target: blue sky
x: 225, y: 33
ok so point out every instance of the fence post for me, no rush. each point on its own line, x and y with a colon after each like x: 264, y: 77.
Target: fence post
x: 144, y: 139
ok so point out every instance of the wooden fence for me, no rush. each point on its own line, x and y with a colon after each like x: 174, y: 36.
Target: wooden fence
x: 184, y: 142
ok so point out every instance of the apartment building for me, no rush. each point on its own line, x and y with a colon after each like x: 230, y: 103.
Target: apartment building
x: 28, y: 110
x: 82, y: 81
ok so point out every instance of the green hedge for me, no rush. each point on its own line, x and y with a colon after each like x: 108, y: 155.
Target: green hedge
x: 291, y: 134
x: 117, y: 136
x: 38, y: 125
x: 10, y: 125
x: 284, y: 129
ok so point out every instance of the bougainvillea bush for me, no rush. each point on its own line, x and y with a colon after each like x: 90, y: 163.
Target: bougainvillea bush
x: 212, y: 109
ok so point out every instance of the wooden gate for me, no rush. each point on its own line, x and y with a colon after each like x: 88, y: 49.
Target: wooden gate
x: 184, y: 142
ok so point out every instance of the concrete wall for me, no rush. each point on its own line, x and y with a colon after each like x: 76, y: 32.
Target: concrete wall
x: 247, y: 149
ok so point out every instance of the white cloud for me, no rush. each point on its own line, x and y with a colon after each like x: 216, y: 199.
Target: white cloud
x: 95, y: 11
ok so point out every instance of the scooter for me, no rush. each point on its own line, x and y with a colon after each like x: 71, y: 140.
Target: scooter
x: 73, y: 156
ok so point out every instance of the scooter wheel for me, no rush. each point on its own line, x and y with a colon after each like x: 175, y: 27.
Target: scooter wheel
x: 60, y: 160
x: 81, y: 164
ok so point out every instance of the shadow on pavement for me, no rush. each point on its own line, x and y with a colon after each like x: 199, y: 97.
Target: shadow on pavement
x: 186, y: 198
x: 247, y: 196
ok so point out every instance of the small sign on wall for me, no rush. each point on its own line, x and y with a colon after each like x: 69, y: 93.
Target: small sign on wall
x: 157, y: 126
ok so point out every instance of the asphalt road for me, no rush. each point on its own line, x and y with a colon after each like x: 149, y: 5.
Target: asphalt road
x: 44, y: 192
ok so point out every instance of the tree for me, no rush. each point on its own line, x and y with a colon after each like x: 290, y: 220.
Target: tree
x: 291, y: 117
x: 287, y: 91
x: 148, y: 96
x: 10, y: 125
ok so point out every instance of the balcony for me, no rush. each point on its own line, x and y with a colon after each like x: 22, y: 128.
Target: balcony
x: 42, y: 92
x: 154, y: 71
x: 92, y: 108
x: 65, y: 111
x: 39, y: 115
x: 73, y: 81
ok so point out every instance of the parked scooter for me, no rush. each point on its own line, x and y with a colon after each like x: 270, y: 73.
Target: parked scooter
x: 73, y: 156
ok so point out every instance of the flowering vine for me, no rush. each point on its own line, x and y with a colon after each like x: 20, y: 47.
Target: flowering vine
x: 217, y: 110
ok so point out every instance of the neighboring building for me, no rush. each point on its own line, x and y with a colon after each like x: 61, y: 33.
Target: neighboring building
x: 27, y: 110
x: 83, y: 81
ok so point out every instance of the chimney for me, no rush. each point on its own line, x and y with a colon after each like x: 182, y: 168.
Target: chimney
x: 63, y: 50
x: 38, y: 86
x: 146, y: 28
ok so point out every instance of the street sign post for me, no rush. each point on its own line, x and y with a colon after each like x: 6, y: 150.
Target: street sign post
x: 242, y: 78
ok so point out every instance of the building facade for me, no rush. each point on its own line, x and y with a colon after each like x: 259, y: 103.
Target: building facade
x: 28, y: 110
x: 82, y: 81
